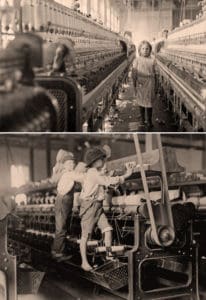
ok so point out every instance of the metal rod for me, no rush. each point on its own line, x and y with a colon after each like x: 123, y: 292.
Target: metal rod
x: 148, y: 142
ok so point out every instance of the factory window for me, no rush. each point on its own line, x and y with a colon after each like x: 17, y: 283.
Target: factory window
x: 19, y: 175
x: 3, y: 289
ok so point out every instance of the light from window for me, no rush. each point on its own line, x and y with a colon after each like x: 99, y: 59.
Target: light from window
x: 19, y: 175
x: 3, y: 286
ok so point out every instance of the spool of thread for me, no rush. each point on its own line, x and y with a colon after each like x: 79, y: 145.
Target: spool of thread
x: 113, y: 249
x: 28, y: 14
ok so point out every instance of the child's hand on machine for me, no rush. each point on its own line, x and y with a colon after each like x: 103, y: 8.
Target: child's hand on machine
x: 129, y: 170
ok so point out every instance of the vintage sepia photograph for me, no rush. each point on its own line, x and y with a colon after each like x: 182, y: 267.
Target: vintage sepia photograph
x: 102, y: 65
x: 109, y: 216
x: 102, y: 149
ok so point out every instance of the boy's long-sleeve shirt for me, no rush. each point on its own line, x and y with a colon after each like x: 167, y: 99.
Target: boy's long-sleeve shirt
x: 94, y: 183
x: 67, y: 181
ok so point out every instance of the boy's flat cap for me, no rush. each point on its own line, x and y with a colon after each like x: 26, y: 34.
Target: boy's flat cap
x: 93, y: 154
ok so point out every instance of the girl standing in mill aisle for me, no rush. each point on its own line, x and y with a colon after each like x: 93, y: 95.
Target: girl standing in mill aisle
x: 143, y: 74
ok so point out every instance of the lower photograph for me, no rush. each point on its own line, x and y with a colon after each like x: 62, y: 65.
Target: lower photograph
x: 102, y: 216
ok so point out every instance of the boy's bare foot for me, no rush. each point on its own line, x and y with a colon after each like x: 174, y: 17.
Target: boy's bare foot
x: 86, y: 267
x: 110, y: 257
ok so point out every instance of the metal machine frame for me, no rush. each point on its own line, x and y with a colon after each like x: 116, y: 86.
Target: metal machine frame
x: 8, y: 274
x: 153, y: 257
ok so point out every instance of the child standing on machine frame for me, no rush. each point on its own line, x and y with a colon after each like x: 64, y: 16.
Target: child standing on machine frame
x: 92, y: 196
x: 65, y: 175
x: 143, y: 74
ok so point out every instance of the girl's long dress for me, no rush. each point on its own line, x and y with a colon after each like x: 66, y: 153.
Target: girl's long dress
x: 144, y: 69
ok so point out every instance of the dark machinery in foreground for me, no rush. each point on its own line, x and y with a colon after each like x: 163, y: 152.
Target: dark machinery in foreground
x: 23, y: 106
x: 8, y: 273
x: 181, y: 65
x: 80, y: 101
x: 158, y: 240
x: 96, y: 65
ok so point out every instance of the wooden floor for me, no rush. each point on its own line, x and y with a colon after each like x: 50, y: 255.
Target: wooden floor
x: 127, y: 117
x: 53, y: 288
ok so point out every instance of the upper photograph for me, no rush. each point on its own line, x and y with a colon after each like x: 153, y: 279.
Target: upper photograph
x: 102, y: 66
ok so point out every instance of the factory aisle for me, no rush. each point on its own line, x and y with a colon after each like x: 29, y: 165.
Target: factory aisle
x: 126, y: 118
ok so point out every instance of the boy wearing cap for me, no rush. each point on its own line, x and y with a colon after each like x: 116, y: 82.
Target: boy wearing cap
x: 92, y: 196
x: 65, y: 177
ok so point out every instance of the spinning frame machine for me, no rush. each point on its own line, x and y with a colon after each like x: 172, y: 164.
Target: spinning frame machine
x: 103, y: 59
x: 158, y: 218
x: 181, y: 73
x: 78, y: 98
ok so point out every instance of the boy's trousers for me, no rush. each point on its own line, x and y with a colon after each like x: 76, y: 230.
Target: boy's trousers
x: 63, y: 210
